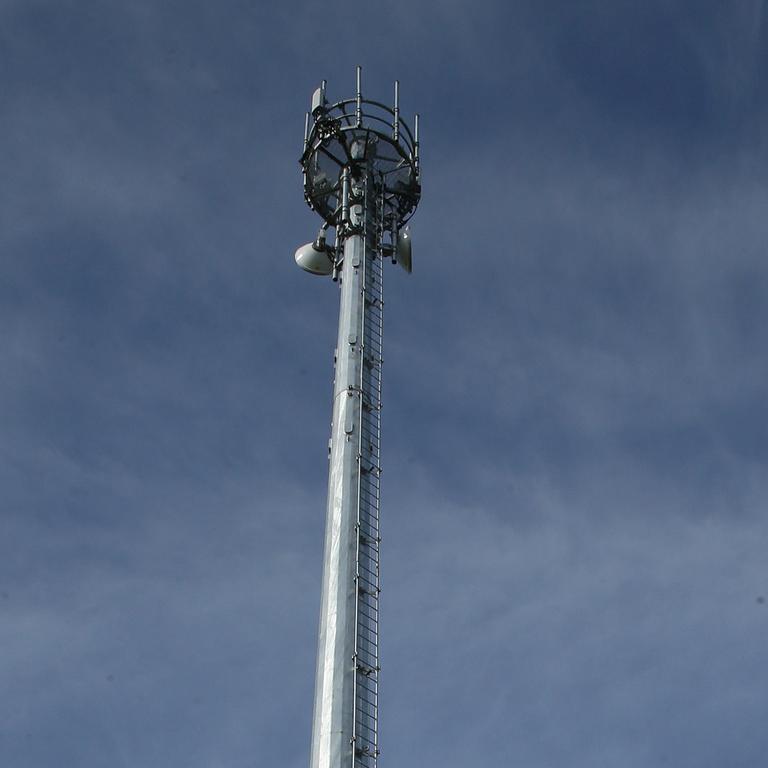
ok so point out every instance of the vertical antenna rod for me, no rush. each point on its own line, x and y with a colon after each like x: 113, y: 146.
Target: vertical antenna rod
x: 396, y: 122
x: 416, y: 142
x: 359, y: 106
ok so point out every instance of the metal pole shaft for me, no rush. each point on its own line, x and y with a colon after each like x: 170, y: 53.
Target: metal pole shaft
x: 334, y: 710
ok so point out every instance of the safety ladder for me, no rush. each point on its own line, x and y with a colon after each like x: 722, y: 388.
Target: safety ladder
x: 366, y: 730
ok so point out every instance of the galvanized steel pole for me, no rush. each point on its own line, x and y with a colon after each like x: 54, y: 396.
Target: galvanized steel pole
x: 333, y: 720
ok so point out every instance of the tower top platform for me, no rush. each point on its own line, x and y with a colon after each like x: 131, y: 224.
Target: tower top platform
x: 355, y: 134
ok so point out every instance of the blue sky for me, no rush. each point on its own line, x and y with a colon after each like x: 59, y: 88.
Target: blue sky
x: 575, y: 423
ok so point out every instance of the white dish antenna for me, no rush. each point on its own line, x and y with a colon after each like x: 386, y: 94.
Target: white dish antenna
x: 315, y: 257
x: 404, y: 249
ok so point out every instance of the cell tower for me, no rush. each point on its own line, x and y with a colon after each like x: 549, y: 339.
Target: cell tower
x: 361, y: 175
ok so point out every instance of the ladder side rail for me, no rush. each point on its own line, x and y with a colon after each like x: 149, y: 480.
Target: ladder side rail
x: 366, y: 691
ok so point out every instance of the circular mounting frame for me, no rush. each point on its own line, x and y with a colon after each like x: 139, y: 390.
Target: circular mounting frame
x: 358, y: 133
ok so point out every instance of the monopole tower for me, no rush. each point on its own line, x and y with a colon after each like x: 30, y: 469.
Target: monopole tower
x: 361, y: 175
